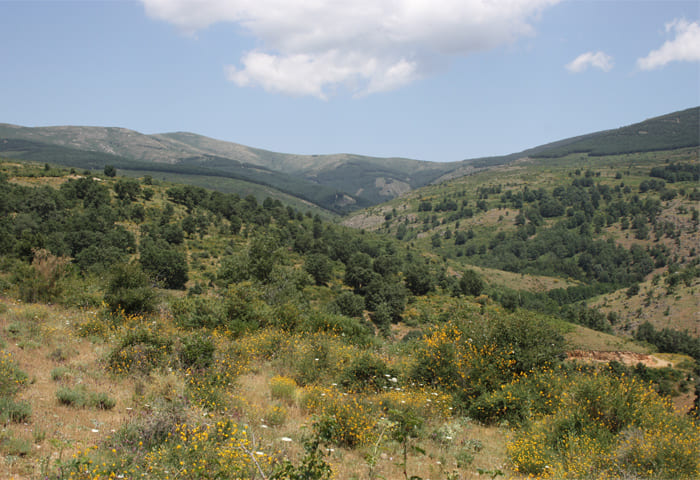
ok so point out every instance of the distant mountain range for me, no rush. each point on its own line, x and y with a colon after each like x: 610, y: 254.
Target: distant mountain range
x: 339, y: 183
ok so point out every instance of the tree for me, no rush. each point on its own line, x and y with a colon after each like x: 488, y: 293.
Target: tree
x: 127, y: 189
x: 418, y: 279
x: 129, y: 290
x: 319, y: 267
x: 387, y: 291
x: 164, y: 263
x: 471, y: 283
x: 350, y: 304
x: 358, y: 271
x: 110, y: 171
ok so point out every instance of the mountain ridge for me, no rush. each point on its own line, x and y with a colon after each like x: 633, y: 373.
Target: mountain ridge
x: 340, y: 182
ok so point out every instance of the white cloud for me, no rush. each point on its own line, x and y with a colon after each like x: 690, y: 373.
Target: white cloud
x: 599, y: 60
x: 313, y: 47
x: 684, y: 48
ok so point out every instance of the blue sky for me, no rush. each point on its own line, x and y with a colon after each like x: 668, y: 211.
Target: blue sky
x: 439, y: 80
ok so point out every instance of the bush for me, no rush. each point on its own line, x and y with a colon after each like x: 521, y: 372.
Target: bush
x: 351, y: 329
x: 140, y: 351
x: 607, y: 426
x: 197, y: 351
x: 14, y: 411
x: 43, y: 280
x: 79, y: 397
x: 343, y: 421
x: 72, y: 397
x: 366, y: 373
x: 198, y: 312
x: 164, y: 263
x: 471, y: 283
x: 12, y: 379
x: 245, y: 309
x: 319, y: 267
x: 350, y: 304
x: 129, y: 291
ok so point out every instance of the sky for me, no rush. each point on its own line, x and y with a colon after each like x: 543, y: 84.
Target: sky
x: 438, y: 80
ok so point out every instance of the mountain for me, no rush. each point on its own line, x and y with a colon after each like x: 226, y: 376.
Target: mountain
x: 339, y: 183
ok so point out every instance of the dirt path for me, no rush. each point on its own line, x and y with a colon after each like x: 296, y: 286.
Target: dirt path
x: 627, y: 358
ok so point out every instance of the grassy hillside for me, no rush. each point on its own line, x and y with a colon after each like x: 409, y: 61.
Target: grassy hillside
x: 158, y: 330
x: 591, y: 220
x: 195, y: 170
x: 339, y: 183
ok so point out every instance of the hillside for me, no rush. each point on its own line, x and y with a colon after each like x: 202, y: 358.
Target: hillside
x: 338, y: 183
x: 156, y: 330
x: 575, y: 218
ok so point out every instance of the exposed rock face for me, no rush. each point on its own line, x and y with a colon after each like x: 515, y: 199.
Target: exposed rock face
x: 391, y: 187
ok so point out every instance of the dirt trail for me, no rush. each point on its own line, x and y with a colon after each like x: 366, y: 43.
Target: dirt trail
x: 627, y: 358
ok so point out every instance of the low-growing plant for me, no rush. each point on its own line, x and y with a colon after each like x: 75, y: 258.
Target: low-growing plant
x: 58, y: 354
x: 139, y: 350
x: 340, y: 420
x: 12, y: 379
x: 275, y: 415
x: 12, y: 446
x: 15, y: 411
x: 311, y: 467
x: 283, y: 389
x: 60, y: 373
x: 129, y: 290
x: 197, y: 351
x: 609, y: 426
x: 195, y: 312
x: 80, y: 397
x: 72, y: 397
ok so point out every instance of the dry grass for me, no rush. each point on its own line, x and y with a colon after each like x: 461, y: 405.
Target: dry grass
x: 57, y: 431
x: 679, y: 310
x: 582, y: 338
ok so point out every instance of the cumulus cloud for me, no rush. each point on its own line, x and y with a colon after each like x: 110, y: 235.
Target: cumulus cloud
x: 684, y: 48
x: 599, y: 60
x: 313, y: 47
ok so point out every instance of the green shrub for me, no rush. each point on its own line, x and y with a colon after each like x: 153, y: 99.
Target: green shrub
x: 129, y: 290
x: 14, y: 411
x: 79, y: 397
x: 245, y: 309
x: 15, y: 447
x: 311, y: 467
x: 349, y: 304
x: 60, y: 373
x: 12, y: 379
x: 366, y: 373
x: 197, y: 351
x: 607, y: 426
x: 164, y: 263
x: 72, y: 397
x: 351, y: 329
x: 198, y: 312
x: 139, y: 350
x: 275, y: 415
x: 101, y: 401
